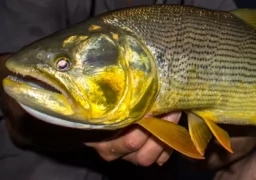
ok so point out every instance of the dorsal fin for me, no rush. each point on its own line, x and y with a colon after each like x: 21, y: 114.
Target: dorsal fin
x: 248, y: 15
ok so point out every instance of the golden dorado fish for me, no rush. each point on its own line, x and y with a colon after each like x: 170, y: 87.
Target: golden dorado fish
x: 130, y: 65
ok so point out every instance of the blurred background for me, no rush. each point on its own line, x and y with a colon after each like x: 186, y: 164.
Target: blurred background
x: 246, y: 3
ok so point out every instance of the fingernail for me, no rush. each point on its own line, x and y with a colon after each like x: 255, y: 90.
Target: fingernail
x: 88, y: 144
x: 160, y: 163
x: 173, y: 117
x: 177, y: 117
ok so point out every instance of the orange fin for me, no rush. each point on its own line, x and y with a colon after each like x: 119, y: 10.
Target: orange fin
x: 199, y: 132
x: 220, y: 134
x: 171, y: 134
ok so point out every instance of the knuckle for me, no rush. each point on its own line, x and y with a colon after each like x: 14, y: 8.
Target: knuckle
x: 100, y: 146
x: 108, y: 157
x: 104, y: 152
x: 144, y: 161
x: 132, y: 144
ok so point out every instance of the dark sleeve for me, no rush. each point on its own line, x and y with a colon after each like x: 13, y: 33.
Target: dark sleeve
x: 210, y: 4
x: 225, y: 5
x: 24, y: 21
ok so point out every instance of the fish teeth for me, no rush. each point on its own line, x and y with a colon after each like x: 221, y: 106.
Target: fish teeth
x: 15, y: 78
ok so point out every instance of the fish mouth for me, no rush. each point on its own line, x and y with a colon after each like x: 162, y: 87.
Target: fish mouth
x: 33, y: 82
x: 40, y: 95
x: 36, y: 81
x: 33, y: 78
x: 23, y: 83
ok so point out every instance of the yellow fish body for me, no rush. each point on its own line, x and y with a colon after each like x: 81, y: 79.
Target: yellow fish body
x: 113, y: 70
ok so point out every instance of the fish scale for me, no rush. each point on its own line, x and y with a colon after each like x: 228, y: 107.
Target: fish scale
x: 126, y: 66
x: 212, y: 53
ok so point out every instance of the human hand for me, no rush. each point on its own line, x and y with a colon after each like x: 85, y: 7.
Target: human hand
x: 243, y: 168
x: 137, y: 146
x: 134, y: 149
x: 243, y: 141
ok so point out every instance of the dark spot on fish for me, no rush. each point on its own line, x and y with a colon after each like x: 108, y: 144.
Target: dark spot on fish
x: 102, y: 53
x: 109, y: 93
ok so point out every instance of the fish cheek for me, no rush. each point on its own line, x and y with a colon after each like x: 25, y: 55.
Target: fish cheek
x: 108, y: 92
x: 104, y: 88
x: 105, y: 77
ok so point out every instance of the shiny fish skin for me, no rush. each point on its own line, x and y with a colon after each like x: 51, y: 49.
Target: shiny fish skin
x: 205, y: 59
x: 126, y: 66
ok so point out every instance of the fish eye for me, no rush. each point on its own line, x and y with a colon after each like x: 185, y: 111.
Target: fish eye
x: 63, y: 64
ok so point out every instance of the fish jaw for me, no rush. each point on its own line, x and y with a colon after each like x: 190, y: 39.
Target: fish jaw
x: 52, y: 107
x: 32, y: 88
x: 49, y: 106
x: 36, y: 97
x: 61, y: 121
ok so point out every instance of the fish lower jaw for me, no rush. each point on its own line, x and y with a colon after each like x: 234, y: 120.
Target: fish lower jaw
x: 59, y: 121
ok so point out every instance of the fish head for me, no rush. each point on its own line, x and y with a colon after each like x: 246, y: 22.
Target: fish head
x: 91, y: 76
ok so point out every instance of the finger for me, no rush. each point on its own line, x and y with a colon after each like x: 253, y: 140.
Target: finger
x: 172, y: 117
x: 103, y: 149
x: 164, y: 157
x: 129, y: 142
x: 131, y: 157
x: 148, y: 153
x: 154, y: 145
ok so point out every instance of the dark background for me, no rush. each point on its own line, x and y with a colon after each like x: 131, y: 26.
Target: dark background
x: 181, y: 168
x: 246, y: 3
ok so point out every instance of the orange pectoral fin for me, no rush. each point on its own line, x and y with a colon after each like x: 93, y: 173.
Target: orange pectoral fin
x: 171, y: 134
x: 199, y: 132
